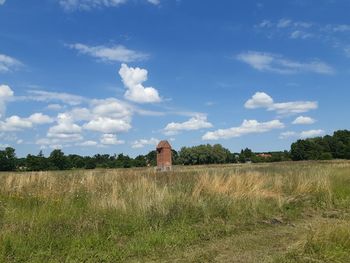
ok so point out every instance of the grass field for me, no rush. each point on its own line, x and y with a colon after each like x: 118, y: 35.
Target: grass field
x: 283, y: 212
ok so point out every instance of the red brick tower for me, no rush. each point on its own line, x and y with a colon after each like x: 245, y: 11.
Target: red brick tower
x: 164, y: 161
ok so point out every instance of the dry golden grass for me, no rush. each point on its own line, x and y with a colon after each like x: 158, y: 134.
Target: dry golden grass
x: 124, y: 214
x: 140, y: 190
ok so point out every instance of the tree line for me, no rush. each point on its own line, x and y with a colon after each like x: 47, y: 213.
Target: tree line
x: 320, y: 148
x: 323, y: 148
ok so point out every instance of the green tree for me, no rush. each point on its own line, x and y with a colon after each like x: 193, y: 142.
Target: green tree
x: 246, y: 155
x: 8, y: 159
x: 58, y: 160
x: 37, y: 163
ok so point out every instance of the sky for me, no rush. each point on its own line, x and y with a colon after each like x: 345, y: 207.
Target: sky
x: 117, y: 76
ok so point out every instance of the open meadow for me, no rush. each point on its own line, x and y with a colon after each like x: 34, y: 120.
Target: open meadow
x: 282, y: 212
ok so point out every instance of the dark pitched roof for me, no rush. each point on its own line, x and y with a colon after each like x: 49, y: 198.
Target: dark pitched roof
x: 163, y: 144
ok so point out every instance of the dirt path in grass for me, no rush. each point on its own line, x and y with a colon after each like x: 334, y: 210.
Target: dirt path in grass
x: 260, y: 245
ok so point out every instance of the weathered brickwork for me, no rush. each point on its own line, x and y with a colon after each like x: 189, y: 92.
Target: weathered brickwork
x: 164, y: 160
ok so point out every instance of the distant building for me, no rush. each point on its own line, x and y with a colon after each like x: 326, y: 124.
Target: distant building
x: 264, y: 155
x: 164, y: 160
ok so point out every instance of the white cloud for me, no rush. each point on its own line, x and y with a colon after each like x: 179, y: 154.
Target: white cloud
x: 107, y: 125
x: 46, y: 96
x: 16, y: 123
x: 259, y: 100
x: 54, y: 107
x: 71, y: 5
x: 39, y: 118
x: 133, y: 79
x: 50, y: 143
x: 144, y: 142
x: 8, y: 63
x: 265, y: 24
x: 154, y: 2
x: 282, y: 23
x: 80, y: 114
x: 330, y: 34
x: 301, y: 135
x: 287, y: 135
x: 2, y: 2
x: 247, y: 127
x: 268, y: 62
x: 304, y: 120
x: 112, y: 108
x: 195, y: 123
x: 263, y: 100
x: 106, y: 116
x: 117, y: 53
x: 5, y: 94
x: 65, y: 130
x: 294, y: 107
x: 110, y: 139
x: 341, y: 28
x: 311, y: 134
x: 88, y: 143
x: 299, y: 34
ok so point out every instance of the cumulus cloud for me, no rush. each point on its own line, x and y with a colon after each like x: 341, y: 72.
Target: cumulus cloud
x: 247, y: 127
x: 80, y: 114
x: 5, y: 94
x: 268, y: 62
x: 107, y: 125
x: 116, y: 53
x: 133, y: 79
x: 39, y: 118
x: 304, y: 120
x: 263, y: 100
x: 65, y: 130
x: 8, y: 63
x: 111, y: 108
x: 110, y: 139
x: 144, y: 142
x: 16, y: 123
x: 105, y: 115
x: 259, y: 100
x: 195, y: 123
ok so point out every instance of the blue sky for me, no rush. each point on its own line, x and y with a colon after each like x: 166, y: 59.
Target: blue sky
x: 111, y: 76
